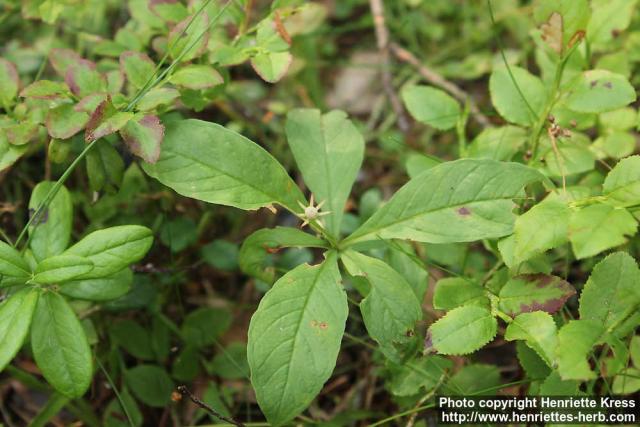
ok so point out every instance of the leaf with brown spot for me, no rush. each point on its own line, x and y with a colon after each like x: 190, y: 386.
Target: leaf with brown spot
x: 144, y: 137
x: 552, y: 32
x: 534, y: 292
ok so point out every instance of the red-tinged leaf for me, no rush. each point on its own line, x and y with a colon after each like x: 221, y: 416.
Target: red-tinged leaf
x: 83, y: 79
x: 88, y: 104
x: 45, y: 89
x: 115, y: 81
x: 64, y: 121
x: 534, y: 292
x: 189, y: 44
x: 138, y: 67
x: 271, y: 66
x: 144, y: 137
x: 9, y: 81
x: 61, y: 59
x: 105, y: 120
x: 21, y: 133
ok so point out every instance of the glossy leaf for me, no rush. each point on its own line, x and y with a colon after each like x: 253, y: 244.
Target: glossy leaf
x: 51, y: 231
x: 257, y: 247
x: 328, y: 150
x: 458, y: 201
x: 520, y: 102
x: 13, y: 268
x: 16, y: 313
x: 431, y: 106
x: 294, y: 339
x: 223, y: 167
x: 99, y: 289
x: 538, y: 330
x: 112, y: 249
x: 60, y: 346
x: 61, y: 268
x: 462, y: 330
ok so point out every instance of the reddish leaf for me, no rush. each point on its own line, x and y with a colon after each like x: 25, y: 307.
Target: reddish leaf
x: 61, y: 59
x: 83, y: 79
x: 534, y: 292
x: 144, y: 137
x: 64, y: 121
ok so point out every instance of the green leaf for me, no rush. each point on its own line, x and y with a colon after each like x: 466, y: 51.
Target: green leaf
x: 417, y: 163
x: 420, y: 374
x: 271, y: 66
x: 113, y: 249
x: 460, y: 201
x: 223, y: 167
x: 51, y: 231
x: 545, y: 226
x: 507, y: 97
x: 231, y: 363
x: 634, y: 350
x: 257, y: 247
x: 46, y: 89
x: 596, y: 228
x: 9, y: 83
x: 60, y: 346
x: 133, y: 338
x: 203, y: 326
x: 609, y: 18
x: 533, y: 365
x: 533, y: 292
x: 105, y: 167
x: 538, y: 330
x: 501, y: 143
x: 197, y: 77
x: 328, y: 150
x: 157, y: 97
x: 597, y: 91
x: 431, y: 106
x: 105, y: 120
x: 144, y: 136
x: 475, y: 379
x: 452, y: 292
x: 627, y: 382
x: 13, y: 268
x: 622, y: 184
x: 114, y: 415
x: 402, y: 257
x: 575, y: 16
x: 83, y: 79
x: 9, y: 153
x: 61, y: 268
x: 64, y: 121
x: 151, y: 384
x: 294, y: 338
x: 189, y: 38
x: 553, y: 385
x: 15, y: 318
x: 612, y: 292
x: 575, y: 341
x: 390, y: 310
x: 99, y: 289
x: 138, y: 68
x: 462, y: 330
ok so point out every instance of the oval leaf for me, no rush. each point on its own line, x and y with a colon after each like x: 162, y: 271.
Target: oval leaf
x: 50, y: 233
x: 518, y: 95
x: 15, y: 318
x: 431, y: 106
x: 61, y: 268
x: 597, y: 91
x: 144, y: 136
x: 99, y: 289
x: 533, y: 292
x: 13, y: 268
x: 463, y: 330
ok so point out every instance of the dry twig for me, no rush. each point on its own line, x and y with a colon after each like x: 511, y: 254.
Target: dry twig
x: 183, y: 390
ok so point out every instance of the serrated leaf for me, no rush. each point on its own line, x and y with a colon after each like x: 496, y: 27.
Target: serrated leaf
x: 112, y: 249
x: 16, y: 313
x: 597, y: 91
x: 520, y: 102
x: 460, y: 201
x: 532, y: 292
x: 61, y: 268
x: 294, y: 339
x: 622, y: 184
x: 13, y: 268
x: 328, y: 150
x: 431, y: 106
x: 538, y: 330
x: 64, y: 121
x: 99, y: 289
x: 60, y: 346
x: 545, y: 226
x: 50, y: 233
x: 390, y: 310
x: 144, y: 137
x: 257, y: 247
x: 612, y: 292
x: 83, y: 79
x: 223, y: 167
x: 452, y: 292
x: 533, y: 365
x: 138, y: 68
x: 9, y: 83
x: 105, y: 120
x: 575, y: 341
x: 46, y: 89
x: 596, y: 228
x: 553, y: 385
x: 271, y: 66
x: 462, y: 330
x: 197, y: 77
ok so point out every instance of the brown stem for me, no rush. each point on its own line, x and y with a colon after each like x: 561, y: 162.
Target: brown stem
x: 183, y: 390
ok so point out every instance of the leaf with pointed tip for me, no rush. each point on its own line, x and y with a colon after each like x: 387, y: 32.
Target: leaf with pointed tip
x: 220, y: 166
x: 622, y: 185
x: 462, y: 330
x: 459, y: 201
x: 144, y: 137
x: 138, y: 68
x: 575, y: 341
x: 328, y: 150
x: 60, y: 346
x: 538, y: 330
x: 597, y: 91
x: 13, y: 268
x: 612, y: 292
x: 16, y: 313
x: 533, y: 292
x: 294, y: 338
x: 50, y: 233
x: 259, y: 245
x: 61, y: 268
x: 390, y: 310
x: 596, y: 228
